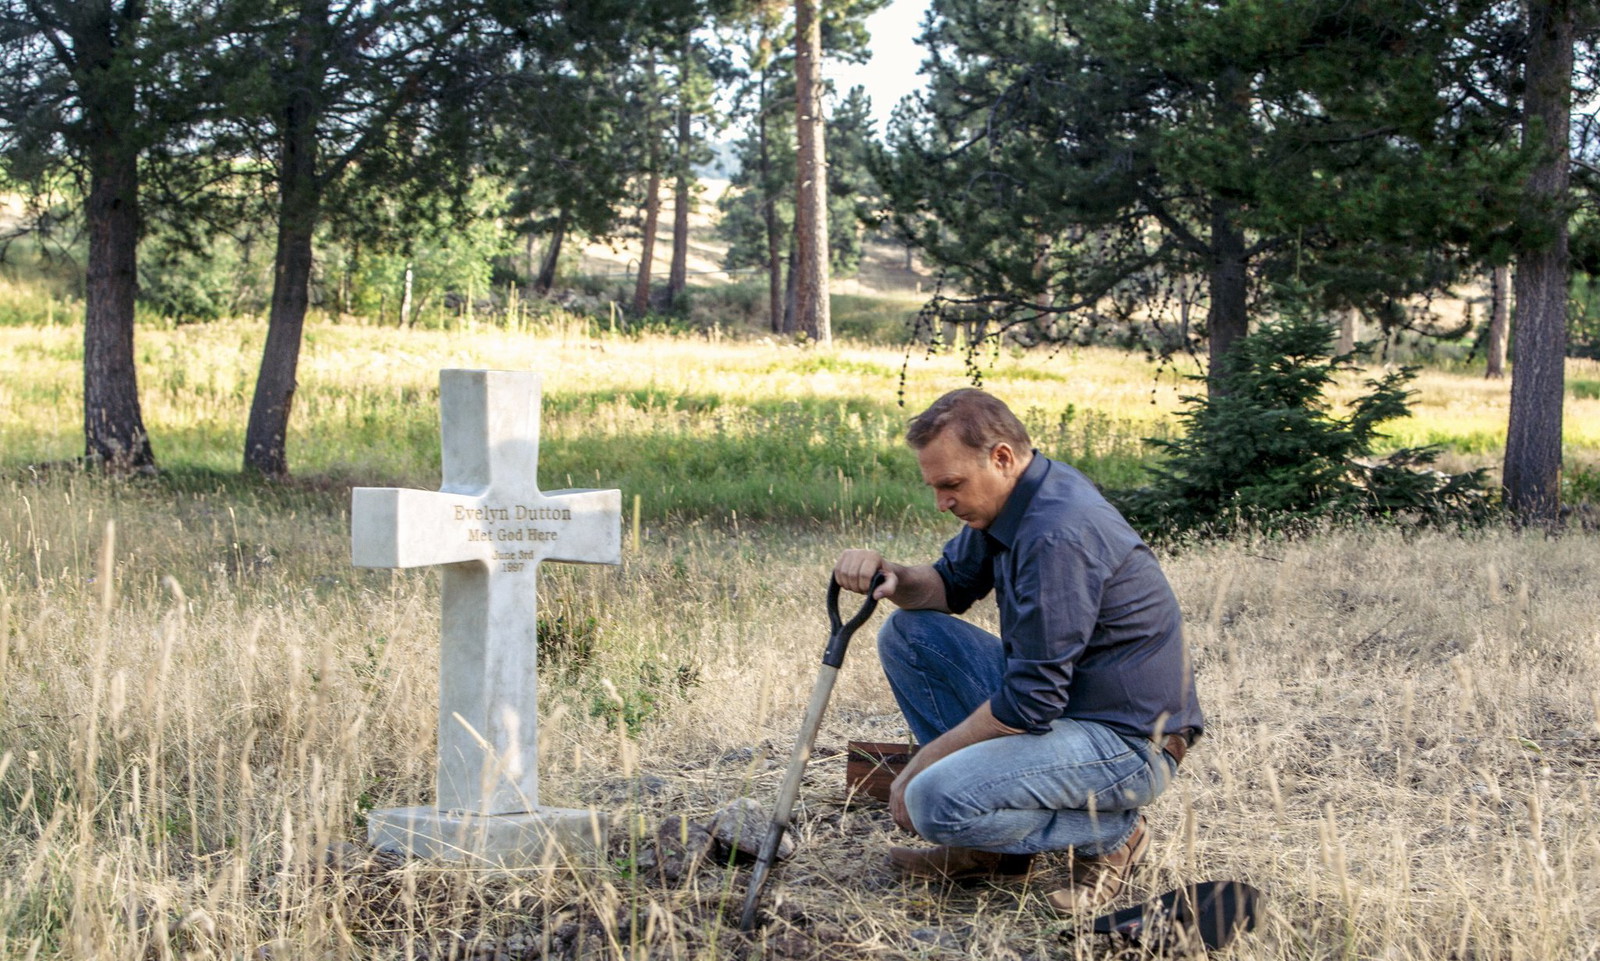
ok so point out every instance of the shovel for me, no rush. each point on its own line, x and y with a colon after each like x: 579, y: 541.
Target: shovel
x: 832, y: 658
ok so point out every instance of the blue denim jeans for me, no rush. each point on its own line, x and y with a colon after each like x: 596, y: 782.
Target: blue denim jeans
x: 1079, y: 786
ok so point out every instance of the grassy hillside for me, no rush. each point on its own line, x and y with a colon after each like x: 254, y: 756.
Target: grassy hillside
x: 698, y: 425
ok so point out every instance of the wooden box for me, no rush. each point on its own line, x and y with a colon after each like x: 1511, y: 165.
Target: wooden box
x: 870, y: 766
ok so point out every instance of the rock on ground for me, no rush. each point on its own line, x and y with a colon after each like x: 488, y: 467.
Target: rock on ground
x: 741, y: 827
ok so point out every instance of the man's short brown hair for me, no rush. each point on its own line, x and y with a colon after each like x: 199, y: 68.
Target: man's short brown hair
x: 980, y: 420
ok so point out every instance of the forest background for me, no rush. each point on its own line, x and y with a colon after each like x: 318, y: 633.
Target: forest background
x: 1072, y: 174
x: 240, y: 238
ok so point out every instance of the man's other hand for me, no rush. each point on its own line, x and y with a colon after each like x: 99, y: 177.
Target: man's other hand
x: 897, y: 803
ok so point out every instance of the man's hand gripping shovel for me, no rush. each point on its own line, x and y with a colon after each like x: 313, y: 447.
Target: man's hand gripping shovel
x: 832, y: 658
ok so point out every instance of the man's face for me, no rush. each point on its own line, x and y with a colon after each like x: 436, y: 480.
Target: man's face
x: 971, y: 484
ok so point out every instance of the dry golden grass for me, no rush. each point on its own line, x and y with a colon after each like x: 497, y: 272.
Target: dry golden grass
x: 1403, y: 748
x: 196, y: 710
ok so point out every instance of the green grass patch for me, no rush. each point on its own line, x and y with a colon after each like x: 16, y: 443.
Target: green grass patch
x: 1584, y: 389
x: 832, y: 364
x: 746, y: 444
x: 872, y: 320
x: 1032, y: 374
x: 1580, y: 484
x: 1472, y: 442
x: 697, y: 428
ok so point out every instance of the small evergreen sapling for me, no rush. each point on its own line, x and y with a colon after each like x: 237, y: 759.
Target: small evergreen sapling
x: 1264, y: 449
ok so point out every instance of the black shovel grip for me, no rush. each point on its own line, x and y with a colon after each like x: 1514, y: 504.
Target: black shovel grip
x: 839, y: 640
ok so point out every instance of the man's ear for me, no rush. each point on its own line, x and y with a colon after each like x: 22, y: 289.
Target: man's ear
x: 1002, y: 457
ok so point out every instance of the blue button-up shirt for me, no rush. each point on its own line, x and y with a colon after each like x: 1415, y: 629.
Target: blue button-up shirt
x: 1090, y: 627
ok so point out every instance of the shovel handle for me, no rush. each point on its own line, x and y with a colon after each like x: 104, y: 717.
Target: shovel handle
x: 833, y: 654
x: 832, y: 658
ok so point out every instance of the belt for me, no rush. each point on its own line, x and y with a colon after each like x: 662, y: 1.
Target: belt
x: 1177, y: 745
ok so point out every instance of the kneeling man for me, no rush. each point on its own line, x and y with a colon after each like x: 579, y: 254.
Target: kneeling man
x: 1053, y: 735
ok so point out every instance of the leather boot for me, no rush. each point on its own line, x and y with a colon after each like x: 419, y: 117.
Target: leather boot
x: 949, y: 863
x: 1096, y: 881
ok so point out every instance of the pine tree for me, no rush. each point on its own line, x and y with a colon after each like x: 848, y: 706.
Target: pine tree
x: 1078, y: 162
x: 97, y: 89
x: 1532, y: 474
x: 354, y: 108
x: 1268, y: 449
x: 759, y: 213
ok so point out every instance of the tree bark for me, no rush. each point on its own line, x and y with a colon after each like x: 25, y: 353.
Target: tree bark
x: 769, y: 215
x: 678, y: 274
x: 552, y: 256
x: 1227, y: 319
x: 1041, y: 271
x: 652, y: 217
x: 265, y: 445
x: 113, y: 425
x: 1347, y: 332
x: 811, y: 183
x: 1499, y: 321
x: 407, y: 286
x: 789, y: 294
x: 299, y: 207
x: 652, y: 204
x: 1532, y: 475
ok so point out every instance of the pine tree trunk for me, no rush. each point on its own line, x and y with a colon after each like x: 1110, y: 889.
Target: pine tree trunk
x: 407, y: 285
x: 1347, y: 332
x: 769, y: 217
x: 1532, y: 474
x: 552, y: 257
x: 113, y: 425
x: 652, y: 203
x: 678, y: 274
x: 1499, y: 321
x: 1041, y: 271
x: 790, y: 297
x: 652, y: 217
x: 811, y: 182
x: 776, y: 291
x: 299, y: 206
x: 1227, y: 320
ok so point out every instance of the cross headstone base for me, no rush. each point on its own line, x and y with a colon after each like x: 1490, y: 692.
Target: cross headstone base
x: 545, y: 838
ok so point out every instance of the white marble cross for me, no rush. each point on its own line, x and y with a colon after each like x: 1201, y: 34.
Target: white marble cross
x: 487, y: 527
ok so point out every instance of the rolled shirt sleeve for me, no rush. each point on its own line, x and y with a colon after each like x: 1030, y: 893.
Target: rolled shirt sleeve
x: 966, y: 569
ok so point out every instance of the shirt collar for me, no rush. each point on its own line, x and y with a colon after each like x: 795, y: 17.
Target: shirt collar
x: 1004, y: 529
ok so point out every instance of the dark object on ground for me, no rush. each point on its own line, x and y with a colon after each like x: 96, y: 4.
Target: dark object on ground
x: 1211, y: 913
x: 832, y: 658
x: 871, y: 766
x: 681, y: 844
